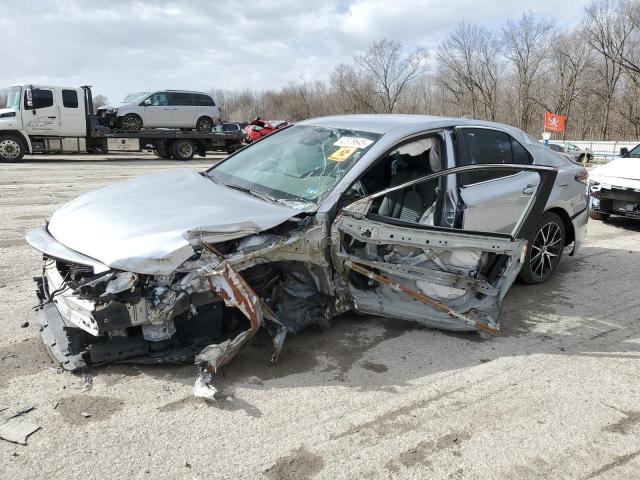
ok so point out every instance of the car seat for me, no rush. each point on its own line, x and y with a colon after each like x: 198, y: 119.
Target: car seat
x: 412, y: 160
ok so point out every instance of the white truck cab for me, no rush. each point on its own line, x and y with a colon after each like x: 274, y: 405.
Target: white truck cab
x: 37, y: 114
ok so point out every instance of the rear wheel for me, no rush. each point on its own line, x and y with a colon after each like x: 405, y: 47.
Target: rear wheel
x: 161, y: 150
x: 183, y: 149
x: 12, y: 148
x: 204, y: 124
x: 545, y: 250
x: 131, y: 122
x: 598, y: 215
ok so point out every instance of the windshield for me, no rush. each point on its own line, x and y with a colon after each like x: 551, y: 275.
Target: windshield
x: 13, y: 98
x: 297, y: 166
x: 135, y: 97
x: 635, y: 153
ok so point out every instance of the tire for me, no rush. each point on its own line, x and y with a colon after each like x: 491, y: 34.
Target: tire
x: 204, y: 124
x: 131, y: 122
x: 12, y: 148
x: 544, y: 250
x: 161, y: 151
x: 183, y: 149
x: 596, y: 215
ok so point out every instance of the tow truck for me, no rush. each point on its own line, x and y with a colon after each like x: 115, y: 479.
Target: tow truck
x: 47, y: 119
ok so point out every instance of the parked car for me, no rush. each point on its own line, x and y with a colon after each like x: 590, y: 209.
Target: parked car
x: 415, y: 218
x: 578, y: 154
x: 163, y: 109
x: 634, y: 153
x: 572, y: 152
x: 615, y: 187
x: 258, y: 128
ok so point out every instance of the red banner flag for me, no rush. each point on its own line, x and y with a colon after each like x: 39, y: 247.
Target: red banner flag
x: 553, y: 122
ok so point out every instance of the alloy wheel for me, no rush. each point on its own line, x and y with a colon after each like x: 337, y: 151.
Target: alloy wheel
x: 546, y: 250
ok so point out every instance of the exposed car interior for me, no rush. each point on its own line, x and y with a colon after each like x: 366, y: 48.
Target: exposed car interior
x: 418, y: 203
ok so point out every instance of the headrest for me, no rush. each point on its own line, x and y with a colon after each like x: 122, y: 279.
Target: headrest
x: 420, y: 146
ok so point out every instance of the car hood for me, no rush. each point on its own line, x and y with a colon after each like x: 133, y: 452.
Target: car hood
x: 623, y: 172
x: 149, y: 224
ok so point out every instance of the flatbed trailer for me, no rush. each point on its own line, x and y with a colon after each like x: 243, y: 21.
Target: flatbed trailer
x: 46, y: 119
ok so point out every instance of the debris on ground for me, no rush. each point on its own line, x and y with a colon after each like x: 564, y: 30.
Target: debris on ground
x: 16, y: 428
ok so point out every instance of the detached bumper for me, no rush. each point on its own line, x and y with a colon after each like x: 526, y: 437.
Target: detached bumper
x: 62, y: 340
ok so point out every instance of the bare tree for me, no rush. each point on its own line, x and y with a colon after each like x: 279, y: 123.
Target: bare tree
x: 471, y: 66
x: 99, y: 101
x: 390, y: 72
x: 527, y: 43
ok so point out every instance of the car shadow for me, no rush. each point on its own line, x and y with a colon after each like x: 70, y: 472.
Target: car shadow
x: 568, y: 315
x: 623, y: 223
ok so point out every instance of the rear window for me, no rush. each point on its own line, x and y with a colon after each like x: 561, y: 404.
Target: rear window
x: 479, y: 146
x: 203, y: 100
x: 69, y: 99
x: 178, y: 98
x: 230, y: 127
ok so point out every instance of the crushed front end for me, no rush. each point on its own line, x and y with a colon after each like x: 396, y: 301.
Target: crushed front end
x: 615, y: 200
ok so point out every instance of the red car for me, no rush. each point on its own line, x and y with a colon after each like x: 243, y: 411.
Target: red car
x: 259, y: 128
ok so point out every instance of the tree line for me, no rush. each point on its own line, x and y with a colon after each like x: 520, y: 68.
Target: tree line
x: 513, y: 74
x: 590, y: 73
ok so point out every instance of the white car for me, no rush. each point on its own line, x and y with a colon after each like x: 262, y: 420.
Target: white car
x: 164, y: 109
x: 614, y: 188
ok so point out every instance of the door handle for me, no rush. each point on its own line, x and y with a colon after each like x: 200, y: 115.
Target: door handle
x: 528, y: 190
x: 52, y: 117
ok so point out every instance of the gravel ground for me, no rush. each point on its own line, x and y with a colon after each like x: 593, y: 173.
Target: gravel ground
x: 555, y: 397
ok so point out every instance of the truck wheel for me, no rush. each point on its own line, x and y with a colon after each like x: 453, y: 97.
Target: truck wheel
x: 161, y: 150
x: 204, y: 124
x: 131, y: 122
x: 183, y: 149
x: 12, y: 149
x: 598, y: 215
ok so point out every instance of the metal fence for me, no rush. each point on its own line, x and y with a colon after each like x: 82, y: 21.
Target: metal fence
x: 600, y: 149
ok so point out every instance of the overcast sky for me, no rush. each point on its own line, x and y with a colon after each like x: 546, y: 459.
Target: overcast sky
x: 123, y: 46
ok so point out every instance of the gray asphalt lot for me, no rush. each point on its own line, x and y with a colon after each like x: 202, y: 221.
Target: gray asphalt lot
x: 557, y: 396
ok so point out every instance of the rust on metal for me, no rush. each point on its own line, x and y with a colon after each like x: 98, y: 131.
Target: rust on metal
x: 420, y: 297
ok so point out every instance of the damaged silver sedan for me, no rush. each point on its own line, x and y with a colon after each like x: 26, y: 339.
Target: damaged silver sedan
x: 416, y: 218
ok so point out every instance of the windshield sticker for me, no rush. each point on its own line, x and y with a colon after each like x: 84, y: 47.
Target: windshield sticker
x: 341, y: 154
x: 353, y: 142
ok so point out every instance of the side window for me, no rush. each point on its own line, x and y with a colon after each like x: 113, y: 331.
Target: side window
x: 481, y: 146
x: 159, y: 100
x: 520, y: 154
x: 40, y: 99
x: 69, y: 99
x: 180, y: 99
x: 203, y: 100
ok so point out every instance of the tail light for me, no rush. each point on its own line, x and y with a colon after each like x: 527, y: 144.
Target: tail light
x: 583, y: 176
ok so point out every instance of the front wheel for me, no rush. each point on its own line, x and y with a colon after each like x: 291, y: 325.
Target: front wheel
x: 12, y: 149
x: 183, y: 149
x: 131, y: 122
x: 545, y: 250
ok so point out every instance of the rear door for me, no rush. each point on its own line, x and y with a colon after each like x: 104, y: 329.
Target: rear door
x: 451, y: 278
x: 72, y: 116
x: 493, y: 199
x: 41, y: 113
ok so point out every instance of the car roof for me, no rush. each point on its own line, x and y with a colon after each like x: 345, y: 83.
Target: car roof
x: 184, y: 91
x: 385, y: 123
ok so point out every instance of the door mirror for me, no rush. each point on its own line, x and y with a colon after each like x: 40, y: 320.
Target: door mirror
x: 624, y: 151
x: 147, y: 102
x: 28, y: 98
